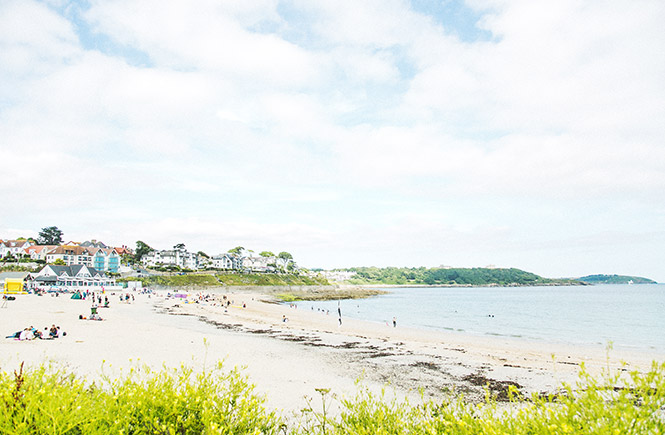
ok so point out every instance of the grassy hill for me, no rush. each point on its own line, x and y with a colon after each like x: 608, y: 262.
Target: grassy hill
x: 477, y: 276
x: 615, y: 279
x: 228, y: 279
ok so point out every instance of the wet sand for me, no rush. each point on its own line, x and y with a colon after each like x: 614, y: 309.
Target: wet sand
x: 288, y: 361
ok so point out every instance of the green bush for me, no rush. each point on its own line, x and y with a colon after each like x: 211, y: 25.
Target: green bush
x: 176, y: 401
x: 618, y: 403
x: 180, y: 401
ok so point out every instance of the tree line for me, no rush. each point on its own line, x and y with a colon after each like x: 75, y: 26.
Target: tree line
x: 476, y: 276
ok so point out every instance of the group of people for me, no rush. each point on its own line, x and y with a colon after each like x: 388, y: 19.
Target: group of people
x: 33, y: 333
x: 125, y: 298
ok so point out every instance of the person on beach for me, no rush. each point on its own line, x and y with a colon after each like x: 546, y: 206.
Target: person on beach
x: 394, y: 322
x: 26, y: 334
x: 16, y: 335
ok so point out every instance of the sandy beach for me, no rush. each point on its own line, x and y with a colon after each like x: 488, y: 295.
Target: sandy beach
x: 288, y: 361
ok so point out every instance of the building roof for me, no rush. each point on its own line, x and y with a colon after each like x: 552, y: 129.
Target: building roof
x: 15, y: 243
x: 123, y: 250
x: 72, y: 270
x: 12, y: 275
x: 39, y: 248
x: 71, y: 250
x: 93, y: 244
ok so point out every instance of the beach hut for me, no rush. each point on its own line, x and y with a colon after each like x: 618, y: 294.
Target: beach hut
x: 13, y: 286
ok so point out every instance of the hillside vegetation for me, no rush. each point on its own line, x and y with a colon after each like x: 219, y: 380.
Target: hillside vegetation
x: 228, y: 279
x: 268, y: 279
x: 615, y: 279
x: 477, y: 276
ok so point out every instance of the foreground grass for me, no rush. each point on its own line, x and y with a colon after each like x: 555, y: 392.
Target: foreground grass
x: 47, y: 400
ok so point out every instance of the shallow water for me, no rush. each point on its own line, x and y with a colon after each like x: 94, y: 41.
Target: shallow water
x: 628, y: 316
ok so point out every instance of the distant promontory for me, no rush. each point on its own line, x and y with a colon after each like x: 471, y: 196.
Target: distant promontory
x: 615, y: 279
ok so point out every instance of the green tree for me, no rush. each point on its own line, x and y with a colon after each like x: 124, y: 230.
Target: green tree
x: 59, y: 262
x: 179, y: 246
x: 237, y: 250
x: 284, y: 258
x: 266, y: 254
x: 50, y: 236
x: 142, y: 249
x: 127, y: 259
x: 203, y: 254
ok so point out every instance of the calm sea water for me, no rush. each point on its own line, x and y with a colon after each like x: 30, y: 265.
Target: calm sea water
x: 629, y: 316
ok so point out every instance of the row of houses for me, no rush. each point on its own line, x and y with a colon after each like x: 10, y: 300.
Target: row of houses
x: 92, y: 254
x: 107, y: 259
x: 227, y: 261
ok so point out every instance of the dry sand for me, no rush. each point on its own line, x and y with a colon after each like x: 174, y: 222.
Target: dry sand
x: 288, y: 361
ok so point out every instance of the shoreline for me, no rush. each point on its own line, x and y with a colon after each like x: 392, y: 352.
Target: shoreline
x: 459, y: 358
x: 288, y: 361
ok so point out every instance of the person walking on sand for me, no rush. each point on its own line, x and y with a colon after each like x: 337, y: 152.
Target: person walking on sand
x: 394, y: 322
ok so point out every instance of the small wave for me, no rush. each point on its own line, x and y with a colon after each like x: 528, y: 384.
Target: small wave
x: 445, y: 328
x: 497, y: 334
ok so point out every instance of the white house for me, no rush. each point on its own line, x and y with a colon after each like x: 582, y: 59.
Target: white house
x: 259, y: 264
x: 175, y: 257
x: 38, y: 252
x: 227, y: 261
x: 71, y: 277
x: 71, y: 255
x: 13, y: 247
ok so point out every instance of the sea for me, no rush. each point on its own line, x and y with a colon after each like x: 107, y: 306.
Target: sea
x: 630, y: 317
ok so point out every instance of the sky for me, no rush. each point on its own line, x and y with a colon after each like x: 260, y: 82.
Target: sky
x: 525, y: 134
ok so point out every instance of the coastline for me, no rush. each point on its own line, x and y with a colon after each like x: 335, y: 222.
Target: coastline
x: 288, y: 361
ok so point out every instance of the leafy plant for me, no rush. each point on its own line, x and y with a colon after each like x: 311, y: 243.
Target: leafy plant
x: 48, y: 399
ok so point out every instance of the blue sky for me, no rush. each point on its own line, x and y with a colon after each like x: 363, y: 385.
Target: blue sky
x: 513, y: 133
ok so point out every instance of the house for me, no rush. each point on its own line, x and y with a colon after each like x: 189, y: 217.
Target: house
x: 71, y: 276
x: 71, y: 255
x: 227, y: 261
x: 38, y: 252
x: 13, y: 247
x: 123, y: 250
x: 259, y: 264
x: 174, y: 257
x: 106, y: 259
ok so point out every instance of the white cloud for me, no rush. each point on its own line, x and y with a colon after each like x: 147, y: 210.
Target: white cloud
x: 311, y: 129
x: 177, y: 35
x: 33, y: 40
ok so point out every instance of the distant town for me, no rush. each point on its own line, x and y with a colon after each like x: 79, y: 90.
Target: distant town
x: 94, y: 263
x: 50, y: 249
